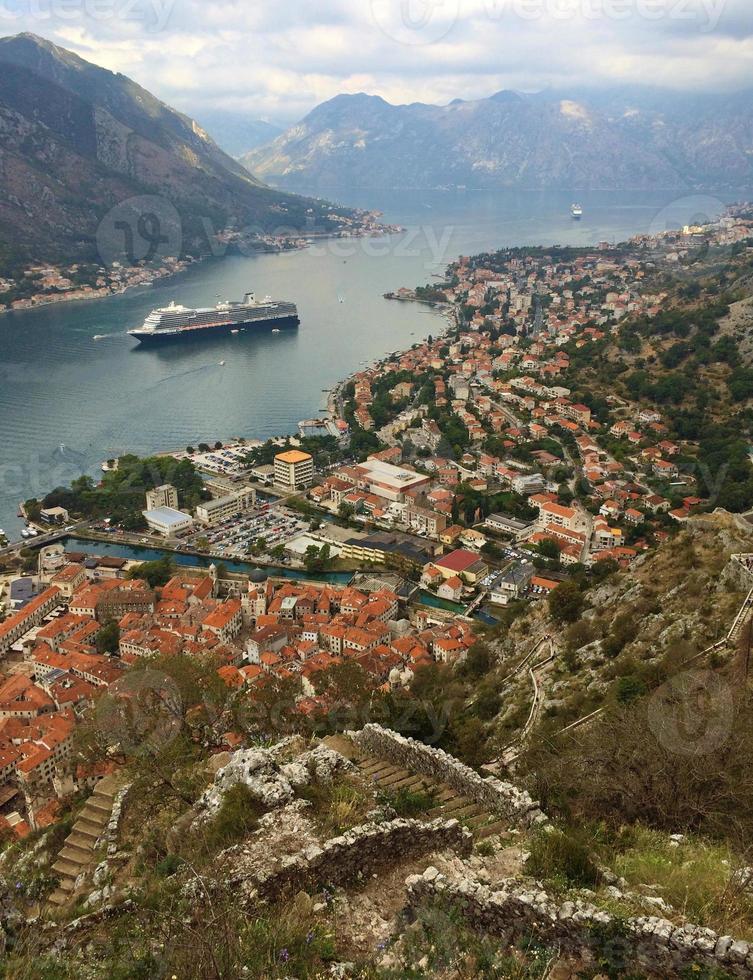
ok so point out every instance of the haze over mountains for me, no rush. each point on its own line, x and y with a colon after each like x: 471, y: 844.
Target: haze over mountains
x: 614, y: 139
x: 76, y: 140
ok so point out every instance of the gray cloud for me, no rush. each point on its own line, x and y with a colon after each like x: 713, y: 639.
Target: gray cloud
x: 277, y: 60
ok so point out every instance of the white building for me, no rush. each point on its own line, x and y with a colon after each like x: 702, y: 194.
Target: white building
x: 294, y: 470
x: 167, y: 521
x: 216, y: 511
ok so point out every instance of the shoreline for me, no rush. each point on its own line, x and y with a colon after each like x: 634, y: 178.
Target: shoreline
x: 186, y: 264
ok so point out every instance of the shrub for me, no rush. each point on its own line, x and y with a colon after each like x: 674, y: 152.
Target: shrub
x: 237, y: 817
x: 168, y: 865
x: 407, y: 802
x: 562, y: 855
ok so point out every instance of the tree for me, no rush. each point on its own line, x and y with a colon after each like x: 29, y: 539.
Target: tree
x: 317, y: 560
x: 566, y: 602
x: 155, y: 573
x: 108, y: 638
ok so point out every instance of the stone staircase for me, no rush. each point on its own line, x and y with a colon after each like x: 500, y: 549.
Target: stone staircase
x: 449, y: 804
x: 78, y: 850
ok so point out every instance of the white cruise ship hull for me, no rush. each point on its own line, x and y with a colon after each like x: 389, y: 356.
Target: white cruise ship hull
x: 220, y: 326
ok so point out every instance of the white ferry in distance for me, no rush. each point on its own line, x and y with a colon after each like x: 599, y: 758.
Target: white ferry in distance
x: 576, y: 211
x: 175, y: 322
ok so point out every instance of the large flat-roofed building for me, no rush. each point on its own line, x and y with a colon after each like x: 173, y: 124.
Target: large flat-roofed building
x: 164, y: 496
x: 388, y: 481
x: 393, y: 548
x: 294, y: 469
x: 505, y: 524
x: 216, y: 511
x: 467, y: 565
x: 167, y: 521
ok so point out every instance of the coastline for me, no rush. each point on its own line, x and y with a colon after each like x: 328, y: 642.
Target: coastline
x: 297, y: 245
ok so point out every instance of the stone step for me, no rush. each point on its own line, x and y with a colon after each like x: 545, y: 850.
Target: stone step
x: 490, y: 829
x: 67, y: 869
x: 446, y: 794
x: 468, y: 812
x: 81, y: 838
x: 450, y: 807
x: 384, y: 770
x: 58, y: 898
x: 99, y: 805
x: 88, y: 826
x: 411, y: 782
x: 392, y: 778
x: 78, y: 855
x: 372, y: 765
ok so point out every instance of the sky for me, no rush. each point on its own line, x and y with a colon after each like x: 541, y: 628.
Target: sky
x: 277, y: 59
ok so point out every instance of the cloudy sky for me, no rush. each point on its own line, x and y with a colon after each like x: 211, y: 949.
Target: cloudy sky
x: 276, y: 59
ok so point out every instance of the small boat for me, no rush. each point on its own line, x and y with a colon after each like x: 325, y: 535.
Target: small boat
x: 275, y: 330
x: 576, y: 210
x: 222, y: 364
x: 340, y: 299
x: 99, y: 336
x: 235, y: 331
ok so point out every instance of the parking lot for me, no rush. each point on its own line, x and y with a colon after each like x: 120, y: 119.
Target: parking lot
x: 235, y: 538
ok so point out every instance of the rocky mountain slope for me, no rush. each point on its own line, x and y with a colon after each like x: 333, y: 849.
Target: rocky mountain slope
x: 77, y: 140
x: 617, y: 140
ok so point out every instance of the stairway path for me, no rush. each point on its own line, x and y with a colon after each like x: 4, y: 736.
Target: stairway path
x: 448, y: 803
x: 77, y: 853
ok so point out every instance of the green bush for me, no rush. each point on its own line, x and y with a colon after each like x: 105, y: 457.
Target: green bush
x: 238, y: 816
x: 407, y: 802
x: 168, y: 865
x: 562, y: 855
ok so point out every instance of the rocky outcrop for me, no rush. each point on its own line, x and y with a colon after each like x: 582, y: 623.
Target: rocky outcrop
x: 654, y: 945
x: 495, y: 795
x: 270, y: 780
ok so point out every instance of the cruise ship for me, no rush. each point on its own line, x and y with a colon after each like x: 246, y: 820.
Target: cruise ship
x: 175, y: 322
x: 576, y: 210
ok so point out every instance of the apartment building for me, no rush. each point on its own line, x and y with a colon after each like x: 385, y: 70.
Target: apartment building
x: 294, y: 470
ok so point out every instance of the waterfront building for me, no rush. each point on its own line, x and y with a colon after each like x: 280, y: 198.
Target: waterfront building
x: 167, y: 521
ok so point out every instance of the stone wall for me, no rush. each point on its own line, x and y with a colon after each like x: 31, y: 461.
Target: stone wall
x: 362, y: 851
x: 497, y: 796
x: 518, y: 910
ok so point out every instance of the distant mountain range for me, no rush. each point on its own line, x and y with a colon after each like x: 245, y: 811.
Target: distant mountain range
x: 235, y: 133
x: 616, y: 139
x: 77, y: 140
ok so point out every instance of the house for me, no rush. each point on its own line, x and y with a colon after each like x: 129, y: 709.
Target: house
x: 451, y: 589
x: 512, y: 583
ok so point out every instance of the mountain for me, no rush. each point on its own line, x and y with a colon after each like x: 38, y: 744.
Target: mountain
x: 612, y: 140
x: 76, y: 141
x: 235, y: 132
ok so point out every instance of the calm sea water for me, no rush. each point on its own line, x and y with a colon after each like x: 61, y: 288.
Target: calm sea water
x: 67, y: 401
